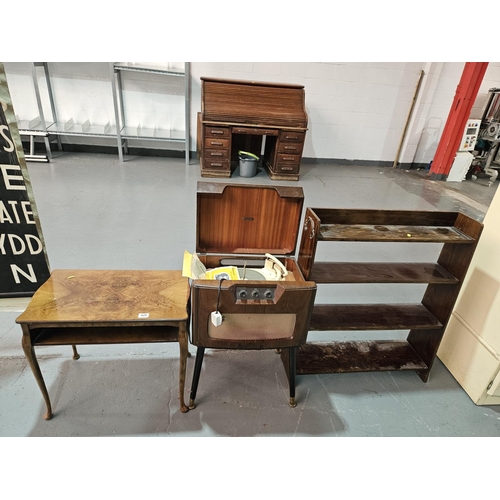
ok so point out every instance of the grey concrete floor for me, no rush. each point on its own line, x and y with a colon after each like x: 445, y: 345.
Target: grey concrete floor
x: 98, y: 213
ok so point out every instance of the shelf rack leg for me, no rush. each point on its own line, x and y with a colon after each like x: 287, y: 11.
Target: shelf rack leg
x: 114, y: 77
x: 40, y: 111
x: 187, y: 80
x: 52, y: 103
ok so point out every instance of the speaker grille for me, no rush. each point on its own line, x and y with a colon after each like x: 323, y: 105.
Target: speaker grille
x: 253, y: 327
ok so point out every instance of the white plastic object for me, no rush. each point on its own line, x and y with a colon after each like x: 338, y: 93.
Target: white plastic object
x: 216, y: 318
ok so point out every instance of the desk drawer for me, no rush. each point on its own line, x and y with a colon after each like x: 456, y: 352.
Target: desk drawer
x: 216, y: 132
x: 290, y: 148
x: 209, y: 164
x: 216, y: 154
x: 288, y: 159
x: 287, y: 136
x: 287, y: 168
x: 254, y: 131
x: 212, y: 142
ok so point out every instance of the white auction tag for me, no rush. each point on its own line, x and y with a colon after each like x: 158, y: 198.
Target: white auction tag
x: 143, y: 315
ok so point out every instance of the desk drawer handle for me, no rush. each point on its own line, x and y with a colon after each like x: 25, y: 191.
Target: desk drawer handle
x: 215, y: 143
x: 291, y: 137
x: 217, y: 132
x: 215, y: 154
x: 287, y: 168
x: 216, y: 164
x: 288, y: 158
x: 293, y: 148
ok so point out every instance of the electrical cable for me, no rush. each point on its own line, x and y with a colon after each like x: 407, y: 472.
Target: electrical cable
x: 218, y: 295
x: 188, y: 310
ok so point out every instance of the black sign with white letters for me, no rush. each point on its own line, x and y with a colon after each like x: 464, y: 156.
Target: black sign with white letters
x: 23, y: 264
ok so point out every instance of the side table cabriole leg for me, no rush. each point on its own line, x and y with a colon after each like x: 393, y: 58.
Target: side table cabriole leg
x: 29, y: 352
x: 183, y: 346
x: 75, y: 352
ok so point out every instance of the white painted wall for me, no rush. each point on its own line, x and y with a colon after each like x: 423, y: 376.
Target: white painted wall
x: 491, y: 79
x: 357, y: 111
x: 436, y: 97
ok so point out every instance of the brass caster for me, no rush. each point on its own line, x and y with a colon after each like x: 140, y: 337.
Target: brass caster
x: 47, y: 416
x: 292, y: 403
x: 277, y: 351
x: 192, y: 404
x: 77, y: 356
x: 184, y: 409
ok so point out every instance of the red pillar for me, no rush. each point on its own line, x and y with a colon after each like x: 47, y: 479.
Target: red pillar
x: 465, y: 95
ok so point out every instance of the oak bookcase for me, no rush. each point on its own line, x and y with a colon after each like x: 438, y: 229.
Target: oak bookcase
x: 426, y: 321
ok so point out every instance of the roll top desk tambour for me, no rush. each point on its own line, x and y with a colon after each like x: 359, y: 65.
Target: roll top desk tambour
x: 237, y: 115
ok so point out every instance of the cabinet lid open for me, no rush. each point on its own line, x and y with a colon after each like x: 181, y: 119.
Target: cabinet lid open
x: 247, y: 218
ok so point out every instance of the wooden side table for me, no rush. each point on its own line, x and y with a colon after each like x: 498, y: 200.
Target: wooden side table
x: 78, y: 307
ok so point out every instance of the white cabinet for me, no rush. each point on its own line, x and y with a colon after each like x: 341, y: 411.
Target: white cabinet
x: 470, y: 348
x: 460, y: 167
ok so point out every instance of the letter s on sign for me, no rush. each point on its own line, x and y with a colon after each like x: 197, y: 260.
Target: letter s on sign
x: 10, y: 148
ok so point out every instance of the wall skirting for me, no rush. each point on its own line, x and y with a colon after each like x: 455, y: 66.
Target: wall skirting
x: 141, y: 151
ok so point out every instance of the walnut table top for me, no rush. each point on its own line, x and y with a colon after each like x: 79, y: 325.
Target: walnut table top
x: 111, y: 297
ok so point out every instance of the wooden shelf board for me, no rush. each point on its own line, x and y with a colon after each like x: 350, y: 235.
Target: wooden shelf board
x: 105, y: 335
x: 363, y: 356
x: 392, y: 233
x: 380, y: 272
x: 342, y: 317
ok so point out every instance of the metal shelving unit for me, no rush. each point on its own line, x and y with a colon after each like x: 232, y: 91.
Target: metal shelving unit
x: 124, y: 132
x: 39, y: 126
x: 77, y: 129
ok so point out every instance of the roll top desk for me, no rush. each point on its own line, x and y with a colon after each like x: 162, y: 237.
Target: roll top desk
x: 267, y: 119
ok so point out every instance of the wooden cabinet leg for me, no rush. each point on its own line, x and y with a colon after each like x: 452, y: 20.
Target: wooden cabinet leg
x: 75, y: 352
x: 29, y: 352
x: 292, y: 360
x: 200, y: 351
x: 183, y: 346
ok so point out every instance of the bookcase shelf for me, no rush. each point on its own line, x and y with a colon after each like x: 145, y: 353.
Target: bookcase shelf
x: 380, y: 272
x: 426, y: 321
x: 372, y: 317
x: 344, y: 357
